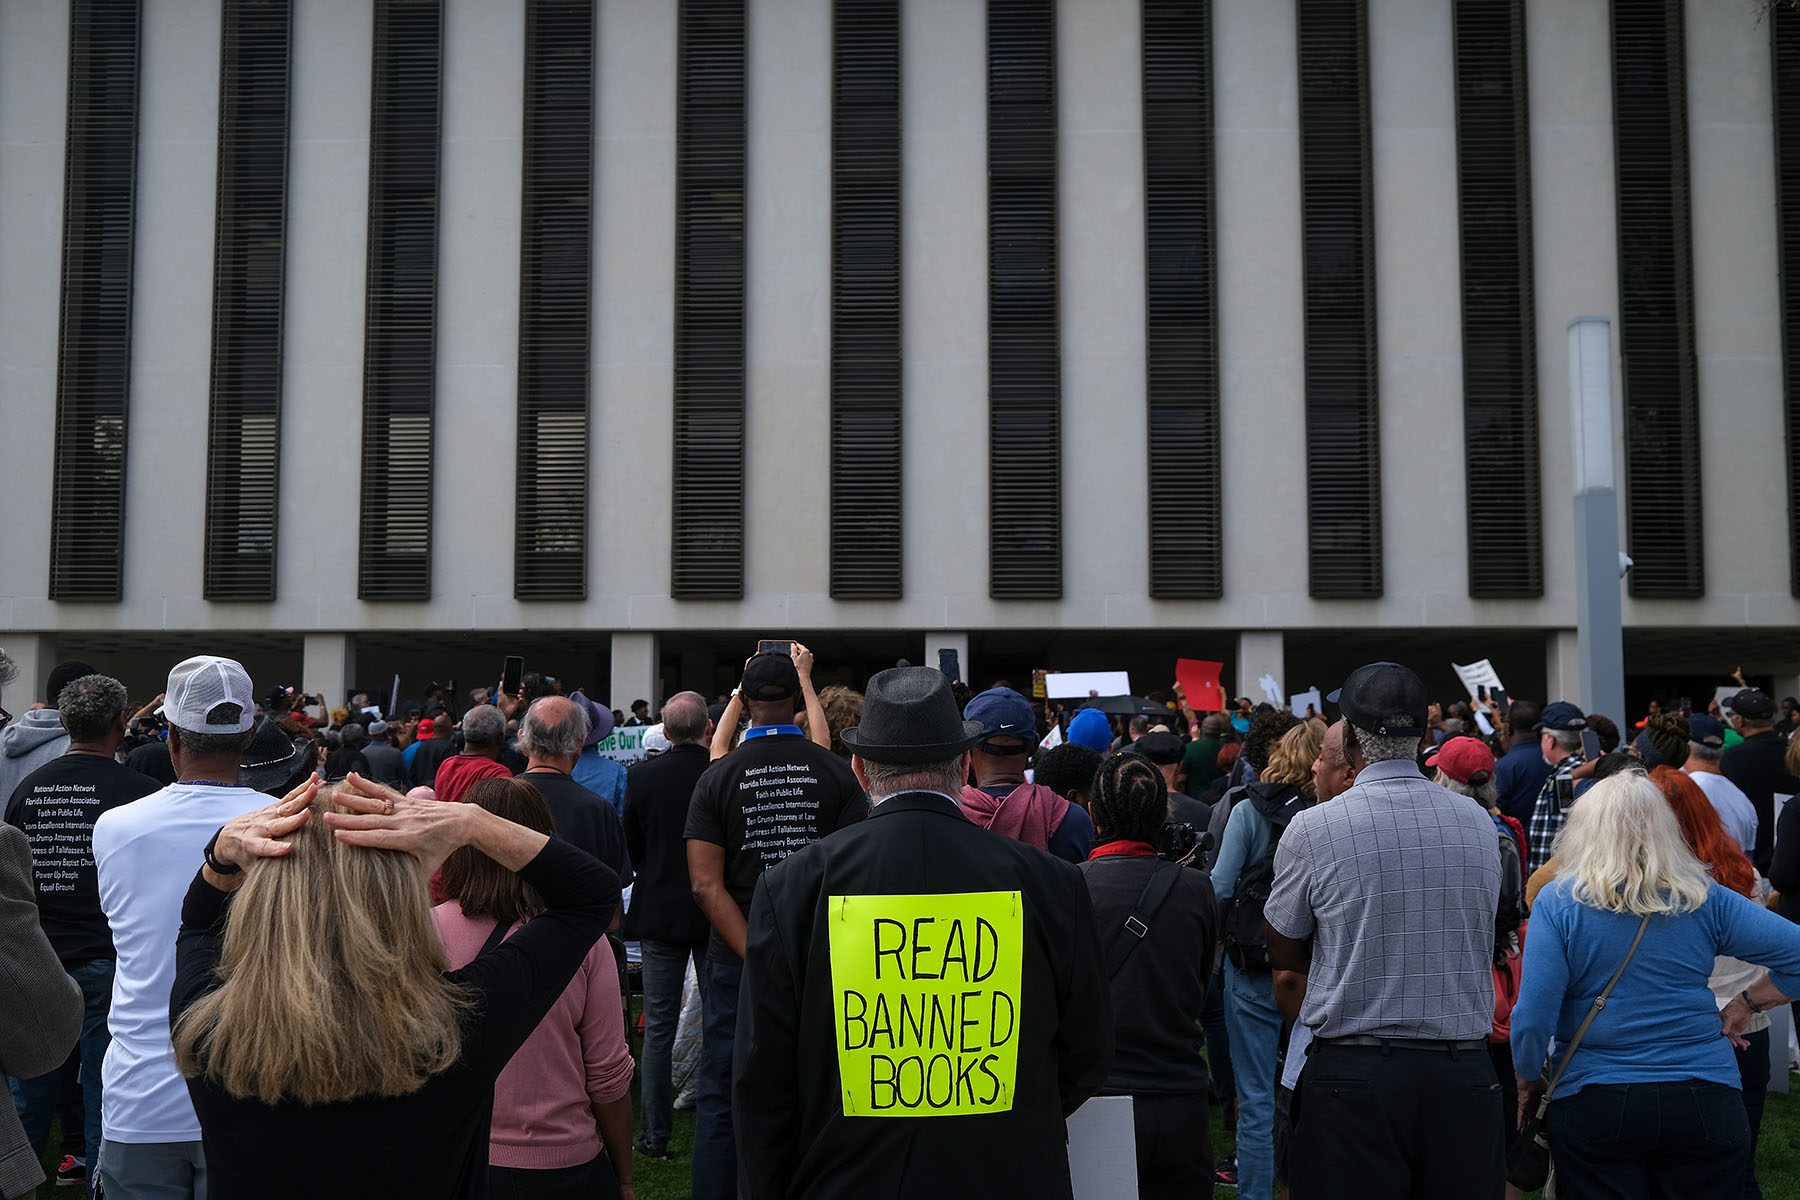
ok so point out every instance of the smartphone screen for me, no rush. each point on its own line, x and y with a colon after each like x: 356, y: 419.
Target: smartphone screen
x: 948, y: 664
x: 512, y: 675
x: 775, y: 646
x: 1565, y: 792
x: 1590, y: 745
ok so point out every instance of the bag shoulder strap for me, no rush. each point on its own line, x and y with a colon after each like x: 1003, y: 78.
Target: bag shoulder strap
x: 1137, y: 925
x: 494, y: 938
x: 1599, y: 1003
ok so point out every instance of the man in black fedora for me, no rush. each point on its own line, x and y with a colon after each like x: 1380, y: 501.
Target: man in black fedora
x: 923, y: 1001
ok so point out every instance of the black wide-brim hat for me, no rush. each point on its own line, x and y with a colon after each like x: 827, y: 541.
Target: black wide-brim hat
x: 273, y: 759
x: 910, y: 716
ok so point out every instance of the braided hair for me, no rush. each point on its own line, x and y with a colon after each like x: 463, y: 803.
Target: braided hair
x: 1130, y: 800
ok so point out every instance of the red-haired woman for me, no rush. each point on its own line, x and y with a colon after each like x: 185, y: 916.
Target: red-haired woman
x: 1705, y: 835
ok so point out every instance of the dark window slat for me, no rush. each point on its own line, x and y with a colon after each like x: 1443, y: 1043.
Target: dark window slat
x: 1182, y: 370
x: 555, y: 302
x: 1343, y: 435
x: 1784, y: 36
x: 400, y: 339
x: 1024, y: 365
x: 93, y: 353
x: 1663, y: 503
x: 865, y: 301
x: 1500, y: 401
x: 244, y: 425
x: 707, y: 529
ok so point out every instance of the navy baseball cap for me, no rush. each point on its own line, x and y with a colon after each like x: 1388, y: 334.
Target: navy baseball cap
x: 1751, y: 705
x: 1003, y: 713
x: 1705, y: 729
x: 1562, y: 717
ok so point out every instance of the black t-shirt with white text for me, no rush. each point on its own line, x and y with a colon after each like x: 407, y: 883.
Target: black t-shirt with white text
x: 771, y: 796
x: 56, y: 806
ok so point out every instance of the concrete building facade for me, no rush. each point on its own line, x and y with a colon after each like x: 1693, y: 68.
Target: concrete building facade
x: 628, y: 637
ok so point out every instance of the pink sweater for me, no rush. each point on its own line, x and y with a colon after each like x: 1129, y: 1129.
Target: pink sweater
x: 575, y: 1058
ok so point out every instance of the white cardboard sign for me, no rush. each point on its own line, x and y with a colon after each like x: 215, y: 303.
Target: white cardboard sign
x: 1079, y: 685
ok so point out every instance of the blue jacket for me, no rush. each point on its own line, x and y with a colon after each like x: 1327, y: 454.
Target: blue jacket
x: 1661, y: 1023
x: 1518, y: 777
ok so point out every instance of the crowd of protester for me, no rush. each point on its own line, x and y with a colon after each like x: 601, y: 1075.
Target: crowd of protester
x: 234, y: 924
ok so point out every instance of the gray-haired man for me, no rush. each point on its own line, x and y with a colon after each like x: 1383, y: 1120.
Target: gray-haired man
x: 552, y: 735
x: 1385, y: 899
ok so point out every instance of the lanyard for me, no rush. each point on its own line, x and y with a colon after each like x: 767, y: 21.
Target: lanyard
x: 756, y: 731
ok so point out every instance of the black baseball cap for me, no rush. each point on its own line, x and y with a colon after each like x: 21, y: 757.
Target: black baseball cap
x: 1376, y: 694
x: 1562, y: 717
x: 1752, y: 705
x: 770, y: 677
x: 1160, y: 748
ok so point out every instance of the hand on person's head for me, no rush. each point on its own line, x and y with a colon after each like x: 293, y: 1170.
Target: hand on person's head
x: 260, y: 834
x: 381, y: 818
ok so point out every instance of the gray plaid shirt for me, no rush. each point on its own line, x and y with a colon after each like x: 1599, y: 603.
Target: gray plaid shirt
x: 1396, y: 882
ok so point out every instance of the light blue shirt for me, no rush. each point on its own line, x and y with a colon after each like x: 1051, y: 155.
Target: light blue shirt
x: 1246, y: 840
x: 602, y: 776
x: 1661, y: 1023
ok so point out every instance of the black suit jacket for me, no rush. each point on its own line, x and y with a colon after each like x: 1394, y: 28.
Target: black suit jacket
x: 792, y: 1134
x: 657, y: 792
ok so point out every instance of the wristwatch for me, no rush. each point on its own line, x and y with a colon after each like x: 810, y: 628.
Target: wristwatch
x: 219, y: 868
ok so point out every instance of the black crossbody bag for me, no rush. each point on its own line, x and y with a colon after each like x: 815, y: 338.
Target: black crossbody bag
x: 1137, y: 926
x: 1528, y: 1161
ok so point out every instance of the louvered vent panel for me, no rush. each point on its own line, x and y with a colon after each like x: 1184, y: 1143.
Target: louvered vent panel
x: 865, y: 300
x: 1784, y: 25
x: 708, y: 550
x: 1024, y: 370
x: 400, y: 342
x: 1500, y: 403
x: 1343, y: 430
x: 1656, y: 301
x: 93, y: 353
x: 243, y: 446
x: 556, y: 257
x: 1182, y: 324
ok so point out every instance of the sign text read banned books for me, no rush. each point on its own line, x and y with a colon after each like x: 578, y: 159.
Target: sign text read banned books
x: 925, y: 993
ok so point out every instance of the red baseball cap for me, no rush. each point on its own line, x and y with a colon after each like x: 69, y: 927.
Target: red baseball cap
x: 1462, y: 758
x: 426, y: 728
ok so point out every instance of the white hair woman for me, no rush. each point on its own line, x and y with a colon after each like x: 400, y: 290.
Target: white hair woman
x: 1649, y: 1104
x: 328, y: 1048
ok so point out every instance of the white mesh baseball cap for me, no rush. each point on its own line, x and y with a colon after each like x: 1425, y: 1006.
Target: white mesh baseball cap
x: 208, y: 694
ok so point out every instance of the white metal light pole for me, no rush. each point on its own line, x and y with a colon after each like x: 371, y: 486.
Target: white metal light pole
x: 1598, y: 563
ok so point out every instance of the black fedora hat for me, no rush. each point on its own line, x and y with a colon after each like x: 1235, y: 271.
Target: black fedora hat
x: 910, y: 716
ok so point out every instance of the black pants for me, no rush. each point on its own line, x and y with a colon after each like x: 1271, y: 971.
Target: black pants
x: 1753, y: 1075
x: 1641, y: 1141
x: 1174, y: 1149
x: 1403, y: 1123
x: 592, y: 1180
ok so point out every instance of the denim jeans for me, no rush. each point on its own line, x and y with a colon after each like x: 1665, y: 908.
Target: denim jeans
x: 715, y: 1146
x: 665, y: 971
x: 37, y: 1097
x: 1687, y: 1139
x: 1254, y: 1024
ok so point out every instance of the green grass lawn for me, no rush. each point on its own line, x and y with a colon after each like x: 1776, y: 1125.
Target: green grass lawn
x: 1778, y: 1162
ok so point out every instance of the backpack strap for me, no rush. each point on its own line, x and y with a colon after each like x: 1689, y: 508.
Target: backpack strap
x: 1137, y: 926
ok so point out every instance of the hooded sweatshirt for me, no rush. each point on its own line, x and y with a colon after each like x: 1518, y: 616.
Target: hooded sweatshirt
x: 1030, y: 813
x: 27, y: 743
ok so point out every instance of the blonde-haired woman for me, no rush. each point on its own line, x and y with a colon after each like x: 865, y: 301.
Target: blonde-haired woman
x: 327, y: 1047
x: 1649, y: 1104
x: 1284, y: 788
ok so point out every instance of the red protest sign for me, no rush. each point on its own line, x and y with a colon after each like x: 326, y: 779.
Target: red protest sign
x: 1199, y: 682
